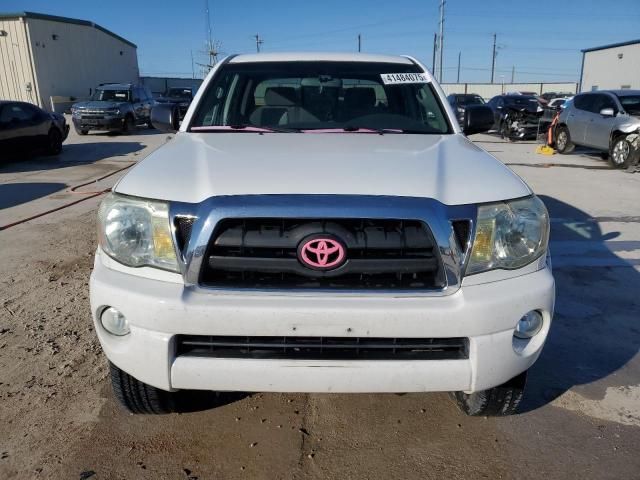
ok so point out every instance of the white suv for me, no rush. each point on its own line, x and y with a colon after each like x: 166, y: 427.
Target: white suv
x: 321, y: 223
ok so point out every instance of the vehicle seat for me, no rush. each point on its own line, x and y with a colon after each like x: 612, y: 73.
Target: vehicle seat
x: 279, y: 103
x: 359, y: 101
x: 320, y: 102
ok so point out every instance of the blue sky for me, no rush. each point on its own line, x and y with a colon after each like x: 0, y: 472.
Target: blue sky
x: 541, y: 39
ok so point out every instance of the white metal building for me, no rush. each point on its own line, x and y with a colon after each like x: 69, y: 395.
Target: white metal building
x: 43, y: 57
x: 611, y: 67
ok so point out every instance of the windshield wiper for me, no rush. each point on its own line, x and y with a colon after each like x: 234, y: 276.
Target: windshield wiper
x: 381, y: 131
x: 243, y: 126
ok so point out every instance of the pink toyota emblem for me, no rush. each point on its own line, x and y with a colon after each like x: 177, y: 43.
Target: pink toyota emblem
x: 322, y: 253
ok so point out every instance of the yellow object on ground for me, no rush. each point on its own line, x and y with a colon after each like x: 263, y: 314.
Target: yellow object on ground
x: 545, y: 150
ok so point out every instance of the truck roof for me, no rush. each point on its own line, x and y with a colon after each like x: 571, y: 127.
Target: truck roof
x: 320, y: 57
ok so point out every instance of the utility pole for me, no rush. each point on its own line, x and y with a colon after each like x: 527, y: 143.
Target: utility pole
x: 441, y: 38
x: 513, y: 74
x: 193, y: 71
x: 493, y: 59
x: 359, y: 43
x: 259, y: 42
x: 435, y: 49
x: 212, y: 47
x: 459, y: 55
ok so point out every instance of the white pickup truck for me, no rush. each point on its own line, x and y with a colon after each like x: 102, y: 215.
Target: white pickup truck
x: 321, y: 223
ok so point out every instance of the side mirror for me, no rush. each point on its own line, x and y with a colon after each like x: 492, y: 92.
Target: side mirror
x: 165, y: 117
x: 607, y: 112
x: 477, y: 119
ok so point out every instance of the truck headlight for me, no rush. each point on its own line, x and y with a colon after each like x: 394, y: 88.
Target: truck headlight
x: 136, y: 232
x: 509, y: 235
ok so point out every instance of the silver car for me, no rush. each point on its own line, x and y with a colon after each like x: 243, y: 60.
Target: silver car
x: 608, y: 120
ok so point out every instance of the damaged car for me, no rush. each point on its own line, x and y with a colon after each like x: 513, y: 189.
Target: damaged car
x: 607, y: 120
x: 516, y: 117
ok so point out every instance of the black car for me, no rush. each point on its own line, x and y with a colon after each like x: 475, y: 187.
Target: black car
x: 460, y: 102
x: 114, y: 107
x: 27, y: 128
x: 177, y: 96
x: 516, y: 117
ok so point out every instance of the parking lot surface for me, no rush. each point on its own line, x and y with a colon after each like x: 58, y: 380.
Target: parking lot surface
x: 581, y: 416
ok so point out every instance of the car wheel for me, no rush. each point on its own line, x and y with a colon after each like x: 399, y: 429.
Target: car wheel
x: 138, y: 397
x: 128, y: 125
x: 54, y: 142
x: 505, y: 131
x: 563, y: 140
x: 82, y: 132
x: 620, y: 154
x: 499, y: 401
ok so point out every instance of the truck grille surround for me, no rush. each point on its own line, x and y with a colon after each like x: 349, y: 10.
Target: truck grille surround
x: 323, y: 348
x: 264, y: 253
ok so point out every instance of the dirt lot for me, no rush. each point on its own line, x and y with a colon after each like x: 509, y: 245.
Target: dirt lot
x: 59, y: 420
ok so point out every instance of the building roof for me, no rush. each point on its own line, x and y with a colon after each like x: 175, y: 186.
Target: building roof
x: 611, y: 45
x: 319, y: 57
x: 55, y: 18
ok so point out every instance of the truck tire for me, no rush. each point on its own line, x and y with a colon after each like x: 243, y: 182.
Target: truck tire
x: 54, y: 142
x: 128, y: 125
x: 563, y: 140
x: 620, y: 153
x: 499, y: 401
x: 138, y: 397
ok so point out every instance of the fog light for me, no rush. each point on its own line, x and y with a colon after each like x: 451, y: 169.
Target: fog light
x: 529, y: 325
x: 114, y: 322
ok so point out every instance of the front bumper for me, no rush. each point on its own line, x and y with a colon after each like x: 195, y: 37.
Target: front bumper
x: 115, y: 123
x: 157, y: 310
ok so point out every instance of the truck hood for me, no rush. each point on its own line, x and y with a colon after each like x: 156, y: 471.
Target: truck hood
x: 195, y: 166
x: 97, y: 105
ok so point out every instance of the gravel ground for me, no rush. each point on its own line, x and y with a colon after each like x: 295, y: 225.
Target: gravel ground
x: 581, y: 417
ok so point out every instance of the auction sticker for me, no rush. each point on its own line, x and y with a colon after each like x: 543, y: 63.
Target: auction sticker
x: 399, y: 78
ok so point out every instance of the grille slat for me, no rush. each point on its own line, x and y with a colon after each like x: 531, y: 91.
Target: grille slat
x: 381, y: 254
x: 323, y: 348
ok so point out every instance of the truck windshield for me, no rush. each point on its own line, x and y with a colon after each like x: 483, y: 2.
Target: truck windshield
x: 179, y: 93
x: 111, y: 95
x: 353, y: 97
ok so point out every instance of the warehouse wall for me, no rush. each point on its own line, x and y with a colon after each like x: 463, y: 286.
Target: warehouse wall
x: 16, y: 72
x: 603, y: 70
x: 78, y: 59
x: 490, y: 90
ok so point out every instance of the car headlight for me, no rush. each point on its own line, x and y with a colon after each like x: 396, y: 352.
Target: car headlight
x: 137, y: 232
x: 509, y: 235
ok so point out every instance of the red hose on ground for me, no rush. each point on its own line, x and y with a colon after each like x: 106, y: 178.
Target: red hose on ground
x: 66, y: 205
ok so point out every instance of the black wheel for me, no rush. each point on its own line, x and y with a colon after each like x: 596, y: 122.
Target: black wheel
x: 138, y: 397
x: 499, y: 401
x: 620, y: 153
x: 505, y: 131
x: 128, y: 125
x: 82, y: 132
x: 54, y: 142
x: 150, y: 125
x: 563, y: 140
